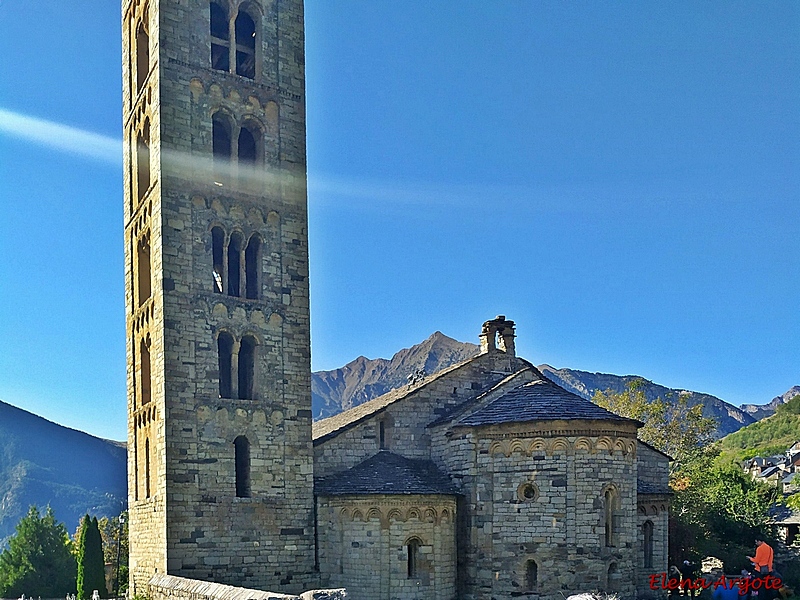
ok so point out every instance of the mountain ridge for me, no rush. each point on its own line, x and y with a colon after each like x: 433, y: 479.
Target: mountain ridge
x: 42, y: 462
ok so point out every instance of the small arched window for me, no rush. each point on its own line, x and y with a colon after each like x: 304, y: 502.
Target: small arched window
x: 247, y: 364
x: 143, y: 160
x: 531, y: 575
x: 612, y: 577
x: 220, y: 39
x: 241, y: 449
x: 245, y: 29
x: 234, y: 264
x: 221, y: 138
x: 217, y: 258
x: 251, y: 269
x: 143, y: 268
x: 142, y: 54
x: 225, y: 353
x: 647, y: 534
x: 412, y: 547
x: 609, y: 501
x: 382, y: 435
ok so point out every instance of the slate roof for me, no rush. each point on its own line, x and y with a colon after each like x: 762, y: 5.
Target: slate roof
x: 784, y: 515
x: 769, y: 471
x: 646, y: 488
x: 387, y: 473
x: 539, y: 400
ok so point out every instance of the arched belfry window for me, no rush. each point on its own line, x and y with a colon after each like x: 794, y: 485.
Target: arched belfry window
x: 248, y: 154
x: 235, y: 264
x: 241, y: 449
x: 647, y: 534
x: 225, y: 353
x: 217, y: 257
x: 247, y: 365
x: 245, y: 30
x: 531, y: 575
x: 251, y: 270
x: 143, y: 160
x: 220, y: 38
x: 221, y: 138
x: 142, y: 54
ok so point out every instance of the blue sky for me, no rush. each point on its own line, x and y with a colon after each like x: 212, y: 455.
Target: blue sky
x: 622, y: 179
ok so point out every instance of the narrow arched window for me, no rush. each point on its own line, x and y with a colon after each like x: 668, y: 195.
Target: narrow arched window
x: 135, y: 462
x: 381, y: 435
x: 612, y: 577
x: 143, y: 160
x: 221, y: 138
x: 531, y: 575
x: 143, y: 268
x: 144, y: 383
x: 251, y: 269
x: 234, y: 264
x: 245, y: 29
x: 647, y: 531
x: 147, y: 468
x: 247, y: 364
x: 241, y: 450
x: 609, y: 502
x: 247, y: 147
x: 217, y: 258
x: 220, y: 39
x: 225, y: 353
x: 412, y: 547
x: 142, y: 55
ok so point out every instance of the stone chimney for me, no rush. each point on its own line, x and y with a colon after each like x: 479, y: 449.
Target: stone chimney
x: 498, y: 334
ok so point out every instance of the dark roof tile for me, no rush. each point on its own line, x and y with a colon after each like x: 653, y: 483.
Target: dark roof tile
x: 387, y: 473
x: 538, y: 400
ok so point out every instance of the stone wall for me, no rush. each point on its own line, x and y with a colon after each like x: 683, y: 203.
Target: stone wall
x: 193, y: 521
x: 653, y: 466
x: 535, y: 492
x: 406, y: 422
x: 364, y: 546
x: 169, y: 587
x: 654, y: 510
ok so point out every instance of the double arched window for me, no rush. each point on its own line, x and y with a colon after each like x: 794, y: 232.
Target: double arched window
x: 238, y: 149
x: 235, y: 270
x: 233, y: 41
x: 237, y: 366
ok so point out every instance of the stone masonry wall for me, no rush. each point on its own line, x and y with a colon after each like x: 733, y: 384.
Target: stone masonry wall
x: 654, y: 509
x: 363, y: 546
x: 565, y: 466
x: 193, y: 524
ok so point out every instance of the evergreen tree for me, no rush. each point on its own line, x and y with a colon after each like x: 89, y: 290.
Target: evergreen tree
x: 38, y: 561
x: 91, y: 568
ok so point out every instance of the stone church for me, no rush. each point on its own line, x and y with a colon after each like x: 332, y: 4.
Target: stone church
x: 485, y: 480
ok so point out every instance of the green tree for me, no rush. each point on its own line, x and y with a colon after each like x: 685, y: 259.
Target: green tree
x: 38, y: 560
x: 670, y: 425
x: 716, y: 509
x: 91, y: 566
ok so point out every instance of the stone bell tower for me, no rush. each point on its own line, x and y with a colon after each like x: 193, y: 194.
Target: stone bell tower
x: 217, y: 312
